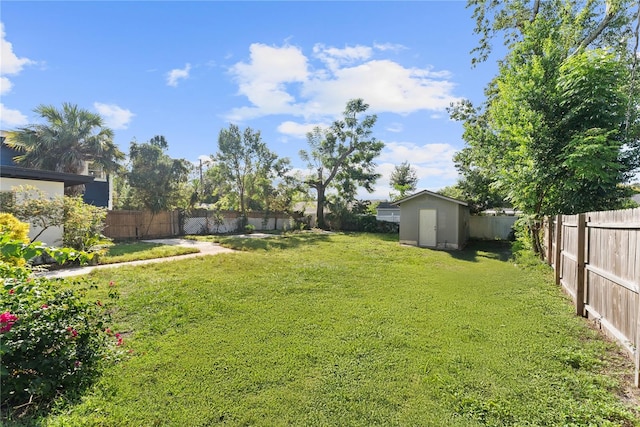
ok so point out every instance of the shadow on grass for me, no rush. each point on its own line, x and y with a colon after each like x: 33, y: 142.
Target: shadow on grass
x: 279, y: 242
x: 492, y: 249
x: 124, y: 248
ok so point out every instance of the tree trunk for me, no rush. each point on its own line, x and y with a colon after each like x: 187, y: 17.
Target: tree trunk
x: 535, y: 237
x: 320, y: 208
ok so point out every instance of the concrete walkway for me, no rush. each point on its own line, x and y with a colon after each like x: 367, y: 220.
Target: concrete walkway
x: 205, y: 248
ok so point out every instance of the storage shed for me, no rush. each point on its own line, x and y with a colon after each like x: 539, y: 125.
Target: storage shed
x: 432, y: 220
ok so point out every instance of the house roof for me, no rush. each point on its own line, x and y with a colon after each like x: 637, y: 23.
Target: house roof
x: 68, y: 179
x: 429, y: 193
x: 386, y: 205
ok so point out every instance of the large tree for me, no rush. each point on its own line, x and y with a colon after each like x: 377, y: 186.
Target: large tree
x: 157, y: 180
x: 403, y: 180
x: 553, y: 135
x: 248, y: 168
x: 342, y: 156
x: 68, y: 139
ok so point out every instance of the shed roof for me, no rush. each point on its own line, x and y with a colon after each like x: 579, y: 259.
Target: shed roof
x: 429, y: 193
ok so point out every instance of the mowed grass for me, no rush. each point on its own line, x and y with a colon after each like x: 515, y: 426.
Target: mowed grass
x: 351, y: 330
x: 134, y: 251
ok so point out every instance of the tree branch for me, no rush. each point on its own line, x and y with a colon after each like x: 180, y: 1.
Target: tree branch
x: 535, y: 10
x: 608, y: 17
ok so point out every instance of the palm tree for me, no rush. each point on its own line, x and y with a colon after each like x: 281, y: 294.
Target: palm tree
x: 69, y: 138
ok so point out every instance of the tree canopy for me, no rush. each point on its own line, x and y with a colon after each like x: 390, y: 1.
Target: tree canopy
x: 342, y: 156
x: 553, y: 134
x: 403, y: 180
x: 246, y: 169
x: 156, y: 180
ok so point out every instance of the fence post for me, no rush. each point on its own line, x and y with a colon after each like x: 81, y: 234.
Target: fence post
x: 549, y: 239
x: 636, y: 354
x: 558, y: 252
x: 580, y: 286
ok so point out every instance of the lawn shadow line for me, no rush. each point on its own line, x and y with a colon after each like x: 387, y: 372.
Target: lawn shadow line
x: 280, y: 242
x: 492, y: 249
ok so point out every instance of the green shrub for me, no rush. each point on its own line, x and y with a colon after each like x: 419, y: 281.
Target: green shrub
x: 17, y: 229
x: 53, y: 341
x: 83, y: 225
x: 249, y: 228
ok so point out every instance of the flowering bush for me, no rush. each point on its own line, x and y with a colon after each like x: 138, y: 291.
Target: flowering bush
x: 15, y: 230
x: 53, y: 340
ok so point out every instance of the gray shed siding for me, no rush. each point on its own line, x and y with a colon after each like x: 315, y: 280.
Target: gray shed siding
x: 452, y: 221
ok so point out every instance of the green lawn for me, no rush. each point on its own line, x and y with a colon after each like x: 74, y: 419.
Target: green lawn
x: 134, y: 251
x: 351, y: 330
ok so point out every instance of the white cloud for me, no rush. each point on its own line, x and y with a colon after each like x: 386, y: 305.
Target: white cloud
x: 298, y: 130
x: 115, y: 117
x: 265, y: 78
x: 389, y: 46
x: 176, y: 74
x: 11, y: 118
x: 386, y: 85
x: 398, y: 152
x: 395, y: 127
x: 5, y: 85
x: 334, y: 57
x: 10, y: 63
x: 280, y: 80
x: 433, y: 164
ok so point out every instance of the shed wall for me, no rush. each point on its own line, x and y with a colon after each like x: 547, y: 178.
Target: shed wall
x: 448, y: 221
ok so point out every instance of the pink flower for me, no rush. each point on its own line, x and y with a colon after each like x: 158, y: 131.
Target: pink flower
x: 7, y: 320
x: 120, y: 339
x: 73, y: 332
x: 107, y: 331
x: 12, y: 291
x: 43, y: 306
x: 112, y: 283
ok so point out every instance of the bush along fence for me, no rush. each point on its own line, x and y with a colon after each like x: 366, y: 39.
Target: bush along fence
x: 596, y: 258
x: 129, y: 225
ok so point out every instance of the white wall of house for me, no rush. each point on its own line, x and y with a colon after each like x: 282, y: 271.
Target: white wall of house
x: 53, y: 235
x: 389, y: 215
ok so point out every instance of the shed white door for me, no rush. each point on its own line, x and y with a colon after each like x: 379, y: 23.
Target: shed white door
x: 427, y: 228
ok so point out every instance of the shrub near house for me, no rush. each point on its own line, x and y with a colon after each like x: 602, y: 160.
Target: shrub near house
x: 53, y: 341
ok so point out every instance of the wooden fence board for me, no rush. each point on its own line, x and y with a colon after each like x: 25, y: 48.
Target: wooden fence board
x: 596, y: 257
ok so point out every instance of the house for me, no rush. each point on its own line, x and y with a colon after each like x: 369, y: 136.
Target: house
x: 98, y: 191
x: 389, y: 212
x: 51, y: 183
x: 432, y: 220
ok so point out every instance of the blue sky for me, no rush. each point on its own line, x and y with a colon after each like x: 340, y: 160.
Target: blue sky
x: 186, y: 70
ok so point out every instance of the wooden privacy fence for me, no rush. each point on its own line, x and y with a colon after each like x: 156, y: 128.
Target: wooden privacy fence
x: 123, y: 225
x: 596, y: 258
x: 129, y: 225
